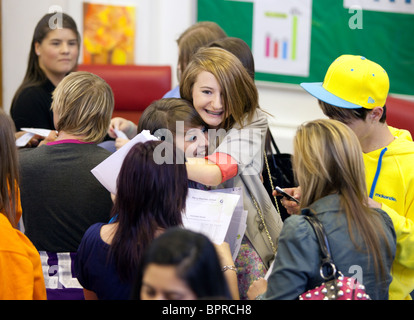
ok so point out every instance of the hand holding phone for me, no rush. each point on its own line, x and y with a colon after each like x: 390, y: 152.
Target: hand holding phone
x: 286, y: 195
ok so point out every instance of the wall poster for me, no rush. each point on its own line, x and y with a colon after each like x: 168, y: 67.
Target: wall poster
x: 108, y: 34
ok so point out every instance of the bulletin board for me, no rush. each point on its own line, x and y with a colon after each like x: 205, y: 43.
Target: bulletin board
x: 385, y: 37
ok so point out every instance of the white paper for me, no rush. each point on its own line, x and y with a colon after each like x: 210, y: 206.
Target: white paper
x: 209, y: 213
x: 267, y: 275
x: 31, y: 132
x: 24, y: 139
x: 236, y: 231
x: 238, y: 225
x: 108, y: 170
x: 120, y: 134
x: 39, y: 132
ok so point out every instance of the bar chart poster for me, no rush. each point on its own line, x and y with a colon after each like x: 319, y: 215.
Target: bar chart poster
x: 282, y: 36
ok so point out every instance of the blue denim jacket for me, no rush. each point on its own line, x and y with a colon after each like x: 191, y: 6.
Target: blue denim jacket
x: 297, y: 262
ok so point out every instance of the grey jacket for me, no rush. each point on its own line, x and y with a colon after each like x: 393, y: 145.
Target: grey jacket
x: 246, y: 145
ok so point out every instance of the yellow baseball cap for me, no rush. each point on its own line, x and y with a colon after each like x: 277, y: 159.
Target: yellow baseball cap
x: 352, y: 82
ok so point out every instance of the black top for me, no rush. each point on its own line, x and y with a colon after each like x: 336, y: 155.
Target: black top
x: 32, y: 108
x: 95, y: 269
x: 60, y: 197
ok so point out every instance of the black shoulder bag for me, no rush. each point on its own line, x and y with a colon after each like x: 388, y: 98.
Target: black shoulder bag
x: 277, y: 172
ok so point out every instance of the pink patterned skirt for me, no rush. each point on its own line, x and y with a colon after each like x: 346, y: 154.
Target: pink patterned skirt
x: 249, y: 267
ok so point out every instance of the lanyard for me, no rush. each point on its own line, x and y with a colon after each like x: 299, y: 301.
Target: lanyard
x: 374, y: 183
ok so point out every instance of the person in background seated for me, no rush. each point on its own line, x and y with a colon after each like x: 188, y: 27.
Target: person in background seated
x: 196, y: 36
x: 328, y: 163
x: 184, y: 265
x: 21, y: 276
x: 54, y: 53
x: 151, y: 196
x: 60, y: 196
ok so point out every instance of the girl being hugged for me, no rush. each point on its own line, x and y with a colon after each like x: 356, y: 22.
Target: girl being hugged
x: 225, y: 96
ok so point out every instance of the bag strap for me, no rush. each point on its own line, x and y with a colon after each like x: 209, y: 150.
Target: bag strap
x: 271, y: 182
x: 272, y: 244
x: 273, y: 142
x: 328, y: 268
x: 268, y: 168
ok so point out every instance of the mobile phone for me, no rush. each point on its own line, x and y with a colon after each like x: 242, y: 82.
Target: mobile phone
x: 288, y: 196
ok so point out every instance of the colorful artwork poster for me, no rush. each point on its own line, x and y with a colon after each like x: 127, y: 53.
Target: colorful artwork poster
x: 108, y: 34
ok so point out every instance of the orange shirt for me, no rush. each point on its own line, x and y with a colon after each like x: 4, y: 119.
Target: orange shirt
x: 21, y: 276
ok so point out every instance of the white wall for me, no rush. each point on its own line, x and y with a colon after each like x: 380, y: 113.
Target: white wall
x: 159, y: 23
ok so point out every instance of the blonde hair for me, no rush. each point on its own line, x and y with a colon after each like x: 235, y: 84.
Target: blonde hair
x: 83, y: 103
x: 239, y: 92
x: 328, y: 159
x: 9, y: 179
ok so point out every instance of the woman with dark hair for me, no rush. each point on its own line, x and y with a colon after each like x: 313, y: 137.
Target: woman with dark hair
x: 150, y: 199
x: 182, y: 265
x: 54, y: 53
x: 21, y: 275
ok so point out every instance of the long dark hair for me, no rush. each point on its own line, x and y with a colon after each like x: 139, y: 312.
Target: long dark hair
x: 150, y: 196
x: 195, y: 259
x: 34, y: 74
x: 9, y: 176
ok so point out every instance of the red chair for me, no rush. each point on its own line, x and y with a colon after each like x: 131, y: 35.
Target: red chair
x: 134, y: 86
x: 400, y: 113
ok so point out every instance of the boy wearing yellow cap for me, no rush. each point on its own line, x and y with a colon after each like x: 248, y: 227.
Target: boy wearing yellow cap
x: 354, y: 92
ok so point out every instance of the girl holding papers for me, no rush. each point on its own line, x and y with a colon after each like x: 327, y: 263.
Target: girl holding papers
x: 150, y: 199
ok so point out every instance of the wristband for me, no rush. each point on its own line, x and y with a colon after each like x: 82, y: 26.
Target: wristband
x: 226, y: 164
